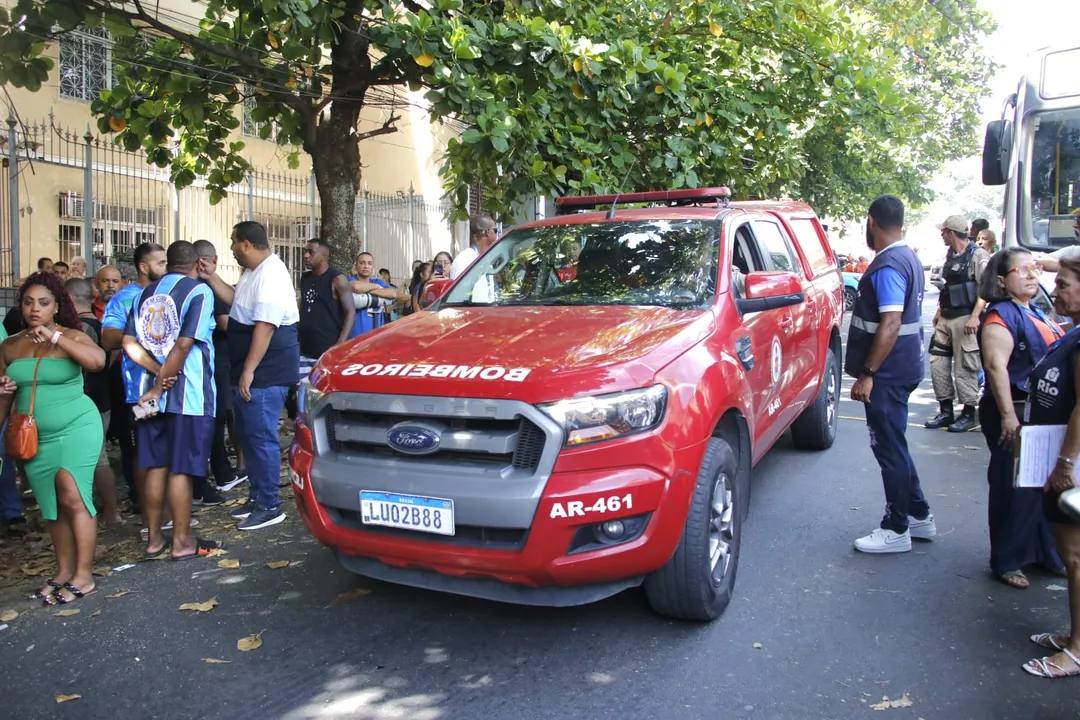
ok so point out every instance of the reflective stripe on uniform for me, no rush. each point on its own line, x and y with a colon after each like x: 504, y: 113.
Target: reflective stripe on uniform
x: 871, y: 327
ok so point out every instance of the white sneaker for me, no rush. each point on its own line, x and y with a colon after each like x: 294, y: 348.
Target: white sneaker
x: 884, y: 541
x: 922, y: 529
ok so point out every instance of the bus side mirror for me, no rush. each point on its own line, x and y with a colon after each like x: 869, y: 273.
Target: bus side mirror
x: 997, y: 147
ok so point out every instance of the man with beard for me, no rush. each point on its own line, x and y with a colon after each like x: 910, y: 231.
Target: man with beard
x: 327, y: 310
x: 885, y: 355
x: 370, y: 294
x: 107, y: 281
x: 149, y: 259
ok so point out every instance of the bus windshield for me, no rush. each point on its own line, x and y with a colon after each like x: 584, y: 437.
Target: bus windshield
x: 1051, y: 206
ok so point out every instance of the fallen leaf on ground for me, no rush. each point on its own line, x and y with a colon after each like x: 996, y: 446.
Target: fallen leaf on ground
x: 970, y: 447
x: 757, y: 646
x: 120, y: 594
x: 68, y: 613
x: 8, y: 615
x: 201, y: 607
x: 251, y: 642
x: 228, y: 564
x: 95, y: 613
x: 102, y: 571
x: 32, y: 571
x: 277, y: 564
x: 886, y: 704
x: 215, y: 661
x: 350, y: 595
x: 217, y: 553
x: 67, y: 698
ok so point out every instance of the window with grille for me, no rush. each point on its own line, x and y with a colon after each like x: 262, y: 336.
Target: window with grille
x: 249, y: 126
x: 85, y: 64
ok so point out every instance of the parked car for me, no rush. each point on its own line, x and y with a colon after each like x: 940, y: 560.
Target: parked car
x: 549, y: 437
x: 935, y: 277
x: 851, y: 290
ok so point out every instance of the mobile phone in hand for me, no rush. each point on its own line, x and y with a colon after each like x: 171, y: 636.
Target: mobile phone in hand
x: 145, y: 409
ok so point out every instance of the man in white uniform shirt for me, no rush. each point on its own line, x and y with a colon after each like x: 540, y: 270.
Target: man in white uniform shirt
x: 264, y: 360
x: 483, y: 233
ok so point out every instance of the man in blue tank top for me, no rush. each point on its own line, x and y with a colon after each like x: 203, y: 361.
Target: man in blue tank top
x: 885, y: 354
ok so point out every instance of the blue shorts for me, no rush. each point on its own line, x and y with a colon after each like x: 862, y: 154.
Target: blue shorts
x: 178, y: 442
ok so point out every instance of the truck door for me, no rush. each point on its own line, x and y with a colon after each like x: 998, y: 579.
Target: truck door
x: 800, y: 335
x: 768, y: 333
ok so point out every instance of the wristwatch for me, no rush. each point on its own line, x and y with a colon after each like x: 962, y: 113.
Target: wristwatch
x: 866, y: 372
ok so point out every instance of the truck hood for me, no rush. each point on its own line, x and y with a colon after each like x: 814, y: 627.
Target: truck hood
x: 533, y: 354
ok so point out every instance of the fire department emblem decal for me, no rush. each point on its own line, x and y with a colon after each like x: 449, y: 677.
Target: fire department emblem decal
x: 775, y: 359
x: 158, y: 324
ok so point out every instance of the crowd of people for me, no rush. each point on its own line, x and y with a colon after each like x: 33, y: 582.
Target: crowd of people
x: 166, y: 363
x: 1032, y: 376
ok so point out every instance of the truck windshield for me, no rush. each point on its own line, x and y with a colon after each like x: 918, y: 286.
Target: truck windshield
x: 672, y: 263
x: 1050, y: 207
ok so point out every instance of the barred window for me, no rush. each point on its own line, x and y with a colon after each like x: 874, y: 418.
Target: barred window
x: 85, y: 64
x: 249, y: 126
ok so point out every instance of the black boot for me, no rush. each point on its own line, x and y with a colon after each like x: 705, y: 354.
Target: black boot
x: 944, y: 418
x: 965, y: 422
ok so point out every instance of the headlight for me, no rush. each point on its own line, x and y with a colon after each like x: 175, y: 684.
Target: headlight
x: 591, y: 419
x: 307, y: 400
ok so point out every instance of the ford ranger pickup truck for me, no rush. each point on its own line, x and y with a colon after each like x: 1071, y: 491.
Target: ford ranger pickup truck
x: 580, y: 412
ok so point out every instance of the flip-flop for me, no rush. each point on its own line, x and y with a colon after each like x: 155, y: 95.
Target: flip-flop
x: 202, y: 549
x: 159, y: 554
x: 144, y: 533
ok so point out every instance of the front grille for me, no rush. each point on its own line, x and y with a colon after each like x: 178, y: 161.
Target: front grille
x: 494, y: 443
x: 464, y: 535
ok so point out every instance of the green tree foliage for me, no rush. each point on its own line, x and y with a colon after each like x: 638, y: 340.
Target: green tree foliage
x: 831, y: 102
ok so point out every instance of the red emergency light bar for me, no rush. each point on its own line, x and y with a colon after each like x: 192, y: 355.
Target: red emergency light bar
x: 567, y: 205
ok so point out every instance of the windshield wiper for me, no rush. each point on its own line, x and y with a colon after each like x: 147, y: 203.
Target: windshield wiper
x: 549, y: 302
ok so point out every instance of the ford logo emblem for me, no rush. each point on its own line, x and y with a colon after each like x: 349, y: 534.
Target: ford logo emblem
x: 413, y: 439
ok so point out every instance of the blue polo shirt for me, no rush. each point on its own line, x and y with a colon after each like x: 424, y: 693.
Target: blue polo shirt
x: 177, y: 306
x: 369, y: 318
x: 116, y: 317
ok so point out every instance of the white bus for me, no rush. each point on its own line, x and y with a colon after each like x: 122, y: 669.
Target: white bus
x: 1034, y: 150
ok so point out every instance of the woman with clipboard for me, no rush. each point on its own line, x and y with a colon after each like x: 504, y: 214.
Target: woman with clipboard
x: 1014, y: 336
x: 1052, y: 401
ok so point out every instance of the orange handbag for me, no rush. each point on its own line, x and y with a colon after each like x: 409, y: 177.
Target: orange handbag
x: 21, y: 434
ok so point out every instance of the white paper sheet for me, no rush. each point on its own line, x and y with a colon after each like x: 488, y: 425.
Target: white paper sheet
x: 1040, y: 446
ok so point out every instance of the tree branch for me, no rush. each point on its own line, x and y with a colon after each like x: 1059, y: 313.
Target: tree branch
x: 386, y: 128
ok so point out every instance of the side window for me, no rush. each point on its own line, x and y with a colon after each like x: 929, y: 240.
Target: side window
x: 747, y: 256
x: 812, y: 245
x: 778, y: 251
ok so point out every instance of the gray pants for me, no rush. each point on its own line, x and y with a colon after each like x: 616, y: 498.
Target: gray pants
x: 964, y: 363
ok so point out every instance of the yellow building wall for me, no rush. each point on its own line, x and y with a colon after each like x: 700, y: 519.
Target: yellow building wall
x: 390, y: 163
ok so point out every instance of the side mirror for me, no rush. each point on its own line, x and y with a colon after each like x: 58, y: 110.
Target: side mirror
x: 434, y: 290
x: 997, y: 147
x: 771, y: 290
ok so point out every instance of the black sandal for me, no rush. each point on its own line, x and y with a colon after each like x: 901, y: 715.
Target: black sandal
x: 42, y: 596
x: 76, y: 593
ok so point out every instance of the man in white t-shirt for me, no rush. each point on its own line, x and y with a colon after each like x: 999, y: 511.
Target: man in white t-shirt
x: 483, y: 234
x: 264, y: 359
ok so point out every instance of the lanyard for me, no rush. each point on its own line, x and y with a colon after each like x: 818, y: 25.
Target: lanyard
x: 1038, y: 314
x: 1061, y: 340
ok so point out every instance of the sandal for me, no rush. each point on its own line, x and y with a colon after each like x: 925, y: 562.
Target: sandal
x: 1016, y: 579
x: 76, y: 594
x: 1046, y: 669
x: 160, y: 553
x: 42, y: 596
x: 1049, y: 641
x: 202, y: 549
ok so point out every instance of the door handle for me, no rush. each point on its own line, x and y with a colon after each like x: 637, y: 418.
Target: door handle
x: 786, y: 322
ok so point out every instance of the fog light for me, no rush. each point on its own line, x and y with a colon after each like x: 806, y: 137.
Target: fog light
x: 614, y: 529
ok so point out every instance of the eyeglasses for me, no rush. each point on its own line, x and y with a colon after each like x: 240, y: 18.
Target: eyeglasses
x: 1026, y: 271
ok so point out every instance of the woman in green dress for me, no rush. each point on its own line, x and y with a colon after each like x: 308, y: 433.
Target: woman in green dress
x: 61, y: 474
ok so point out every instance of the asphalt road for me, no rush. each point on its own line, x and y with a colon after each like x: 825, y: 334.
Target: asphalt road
x: 815, y: 630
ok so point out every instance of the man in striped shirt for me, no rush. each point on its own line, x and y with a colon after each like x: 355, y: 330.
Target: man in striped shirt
x: 170, y: 333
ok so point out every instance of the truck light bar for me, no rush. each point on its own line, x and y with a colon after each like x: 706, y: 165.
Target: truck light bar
x: 568, y: 205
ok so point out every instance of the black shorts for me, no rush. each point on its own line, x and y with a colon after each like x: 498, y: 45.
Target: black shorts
x: 178, y: 442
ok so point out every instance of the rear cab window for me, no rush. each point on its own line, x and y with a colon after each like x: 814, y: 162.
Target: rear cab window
x: 813, y: 245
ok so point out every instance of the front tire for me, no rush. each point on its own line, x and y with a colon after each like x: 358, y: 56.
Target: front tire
x: 850, y: 296
x: 815, y: 428
x: 698, y: 581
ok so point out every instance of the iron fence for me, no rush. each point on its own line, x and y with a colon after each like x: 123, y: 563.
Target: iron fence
x: 51, y: 170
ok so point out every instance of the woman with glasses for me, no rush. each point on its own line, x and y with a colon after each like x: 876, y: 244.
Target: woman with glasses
x: 1015, y: 335
x: 1053, y: 402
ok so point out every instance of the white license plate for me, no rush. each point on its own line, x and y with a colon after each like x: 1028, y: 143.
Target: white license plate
x: 407, y: 512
